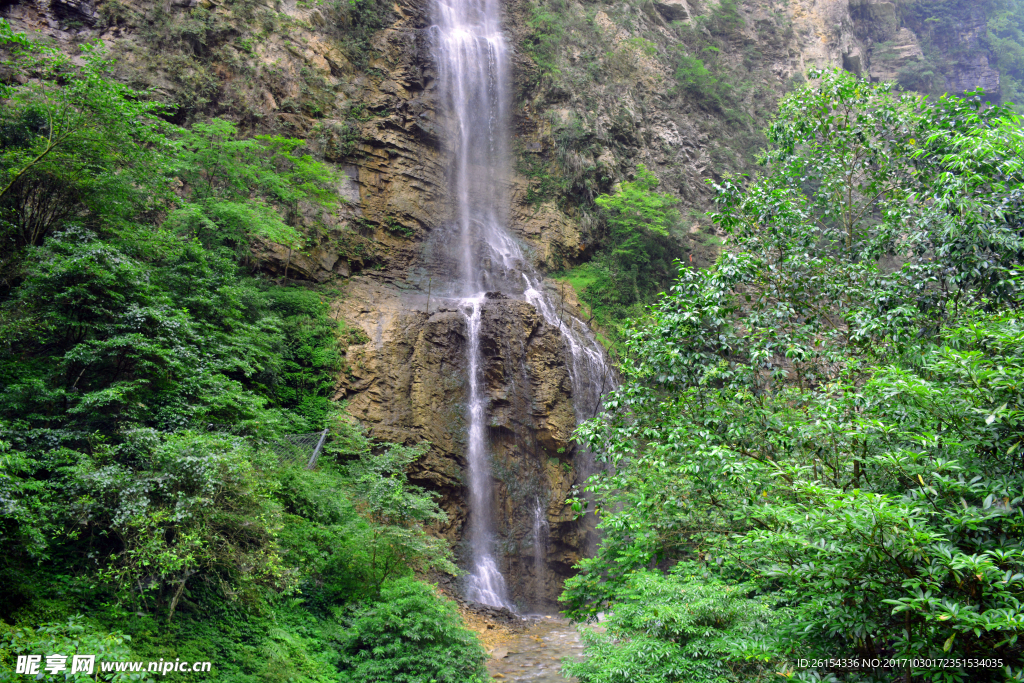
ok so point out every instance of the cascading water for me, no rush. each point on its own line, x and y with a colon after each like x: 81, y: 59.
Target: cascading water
x: 472, y: 60
x: 540, y: 536
x: 486, y: 583
x: 590, y: 377
x: 472, y: 72
x: 473, y: 78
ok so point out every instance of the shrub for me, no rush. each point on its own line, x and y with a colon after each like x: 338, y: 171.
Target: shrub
x: 842, y: 433
x: 411, y: 636
x: 199, y: 509
x: 683, y: 625
x: 636, y: 260
x: 71, y: 637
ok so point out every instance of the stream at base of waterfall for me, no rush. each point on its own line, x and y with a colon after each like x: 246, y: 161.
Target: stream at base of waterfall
x: 473, y: 66
x: 537, y: 653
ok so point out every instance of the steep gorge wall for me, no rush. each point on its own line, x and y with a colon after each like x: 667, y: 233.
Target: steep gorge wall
x: 359, y: 86
x: 685, y: 87
x: 408, y: 382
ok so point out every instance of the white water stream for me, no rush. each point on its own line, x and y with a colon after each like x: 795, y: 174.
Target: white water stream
x: 473, y: 76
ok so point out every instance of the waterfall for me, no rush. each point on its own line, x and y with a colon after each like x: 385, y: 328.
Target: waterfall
x: 541, y: 529
x: 486, y: 583
x: 473, y: 78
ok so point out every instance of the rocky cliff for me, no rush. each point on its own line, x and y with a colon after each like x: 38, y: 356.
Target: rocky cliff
x: 685, y: 87
x: 682, y: 86
x: 408, y: 382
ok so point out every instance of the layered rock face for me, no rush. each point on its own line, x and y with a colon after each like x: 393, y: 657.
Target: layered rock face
x: 891, y: 40
x: 646, y: 108
x: 408, y: 383
x: 975, y: 69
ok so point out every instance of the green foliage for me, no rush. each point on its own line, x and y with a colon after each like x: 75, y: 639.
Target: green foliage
x: 580, y: 66
x: 1006, y: 43
x: 145, y: 380
x: 394, y: 541
x: 73, y: 141
x: 311, y: 357
x: 636, y: 207
x: 725, y: 18
x: 699, y: 75
x: 546, y: 32
x: 643, y: 45
x: 97, y: 339
x: 247, y: 555
x: 71, y: 637
x: 546, y: 184
x: 920, y: 76
x: 355, y: 526
x: 682, y: 625
x: 79, y: 147
x: 694, y: 77
x: 411, y: 636
x: 240, y: 188
x: 636, y: 257
x: 190, y: 511
x: 831, y: 414
x: 576, y: 145
x: 398, y: 229
x: 362, y: 18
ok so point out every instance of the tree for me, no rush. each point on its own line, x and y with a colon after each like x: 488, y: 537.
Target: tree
x: 636, y: 259
x: 411, y: 636
x: 832, y: 411
x: 73, y: 141
x: 239, y: 188
x: 81, y: 147
x: 394, y: 539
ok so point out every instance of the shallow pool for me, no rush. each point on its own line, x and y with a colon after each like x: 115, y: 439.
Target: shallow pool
x: 536, y: 654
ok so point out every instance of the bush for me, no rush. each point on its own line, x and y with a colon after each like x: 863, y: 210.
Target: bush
x: 411, y: 636
x: 69, y: 638
x: 311, y: 357
x: 695, y: 78
x: 636, y: 260
x: 546, y: 32
x: 200, y: 509
x: 683, y: 625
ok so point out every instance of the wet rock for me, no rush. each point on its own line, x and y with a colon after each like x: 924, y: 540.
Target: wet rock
x: 407, y: 383
x: 500, y: 615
